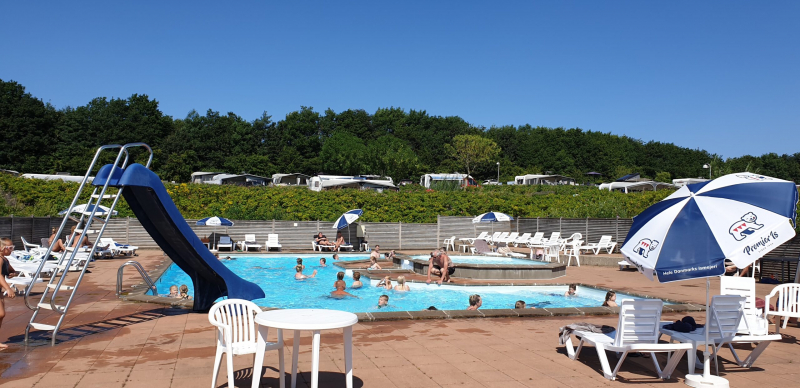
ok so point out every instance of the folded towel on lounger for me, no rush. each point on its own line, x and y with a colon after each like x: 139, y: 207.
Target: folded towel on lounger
x: 565, y: 331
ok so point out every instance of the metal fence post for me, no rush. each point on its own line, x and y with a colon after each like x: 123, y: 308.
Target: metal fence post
x: 438, y: 227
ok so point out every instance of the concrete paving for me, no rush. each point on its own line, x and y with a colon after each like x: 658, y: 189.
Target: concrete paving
x: 108, y: 342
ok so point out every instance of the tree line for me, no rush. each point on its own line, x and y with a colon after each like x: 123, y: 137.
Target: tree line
x: 38, y: 138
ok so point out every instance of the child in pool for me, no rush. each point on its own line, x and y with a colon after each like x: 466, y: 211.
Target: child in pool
x: 299, y: 275
x: 300, y: 262
x: 386, y: 283
x: 339, y: 281
x: 340, y: 285
x: 323, y: 262
x: 173, y: 292
x: 374, y: 263
x: 383, y: 301
x: 611, y: 299
x: 572, y: 291
x: 521, y: 305
x: 185, y: 292
x: 401, y: 284
x: 475, y: 302
x: 356, y: 280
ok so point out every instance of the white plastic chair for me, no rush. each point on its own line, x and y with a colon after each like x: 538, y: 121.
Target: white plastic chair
x: 573, y: 250
x: 787, y: 304
x: 237, y: 335
x: 637, y: 331
x: 450, y: 243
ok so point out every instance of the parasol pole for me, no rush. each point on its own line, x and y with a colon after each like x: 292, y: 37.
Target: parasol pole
x: 706, y: 354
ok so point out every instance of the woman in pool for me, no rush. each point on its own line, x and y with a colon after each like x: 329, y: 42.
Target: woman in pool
x: 300, y: 263
x: 356, y: 280
x: 374, y: 263
x: 386, y: 283
x: 475, y: 302
x: 299, y: 275
x: 611, y: 299
x: 572, y: 291
x: 401, y: 284
x: 6, y: 247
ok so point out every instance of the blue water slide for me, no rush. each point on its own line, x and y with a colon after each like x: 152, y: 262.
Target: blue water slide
x: 153, y: 207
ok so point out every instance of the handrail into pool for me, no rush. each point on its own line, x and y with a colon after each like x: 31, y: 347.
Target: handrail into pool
x: 145, y: 276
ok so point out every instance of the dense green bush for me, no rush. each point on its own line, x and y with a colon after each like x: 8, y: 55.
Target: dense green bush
x: 26, y: 197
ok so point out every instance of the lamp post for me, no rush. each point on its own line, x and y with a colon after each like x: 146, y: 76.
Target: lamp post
x: 498, y: 173
x: 708, y: 166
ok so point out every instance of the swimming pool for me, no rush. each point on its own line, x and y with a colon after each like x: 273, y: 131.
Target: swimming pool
x: 460, y: 259
x: 275, y: 275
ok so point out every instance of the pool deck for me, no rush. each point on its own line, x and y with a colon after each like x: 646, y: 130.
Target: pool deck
x: 110, y: 342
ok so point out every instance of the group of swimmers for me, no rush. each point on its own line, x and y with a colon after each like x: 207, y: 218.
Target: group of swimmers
x: 475, y: 301
x: 179, y: 293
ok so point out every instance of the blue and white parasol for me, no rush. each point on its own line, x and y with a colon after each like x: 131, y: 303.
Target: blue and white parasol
x: 688, y: 235
x: 215, y: 221
x: 492, y: 217
x: 347, y: 218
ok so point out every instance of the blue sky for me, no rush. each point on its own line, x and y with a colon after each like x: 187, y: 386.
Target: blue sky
x: 719, y: 75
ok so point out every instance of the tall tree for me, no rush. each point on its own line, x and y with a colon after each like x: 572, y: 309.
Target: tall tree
x: 27, y: 127
x: 471, y: 150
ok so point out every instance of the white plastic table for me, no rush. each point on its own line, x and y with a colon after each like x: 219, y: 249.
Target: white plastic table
x: 299, y: 320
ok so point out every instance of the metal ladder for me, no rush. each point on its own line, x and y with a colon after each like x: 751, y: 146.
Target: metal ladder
x: 47, y: 301
x: 147, y: 279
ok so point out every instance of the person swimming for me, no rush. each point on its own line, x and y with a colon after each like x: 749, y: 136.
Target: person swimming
x: 299, y: 275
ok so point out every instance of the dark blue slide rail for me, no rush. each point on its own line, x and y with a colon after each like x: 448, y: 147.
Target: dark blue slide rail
x: 155, y: 210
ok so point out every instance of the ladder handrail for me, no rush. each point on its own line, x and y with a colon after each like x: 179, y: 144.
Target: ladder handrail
x: 147, y: 279
x: 64, y: 222
x: 65, y: 265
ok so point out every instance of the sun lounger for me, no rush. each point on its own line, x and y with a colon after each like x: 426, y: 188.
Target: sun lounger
x: 225, y: 242
x: 250, y: 243
x: 504, y: 249
x: 482, y: 248
x: 604, y: 243
x: 272, y: 242
x: 119, y: 249
x: 522, y: 239
x: 637, y: 331
x: 28, y: 246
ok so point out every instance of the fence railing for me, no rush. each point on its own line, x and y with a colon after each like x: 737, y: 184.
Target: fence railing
x: 298, y: 234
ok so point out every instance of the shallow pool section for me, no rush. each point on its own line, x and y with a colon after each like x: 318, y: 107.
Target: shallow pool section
x: 275, y: 275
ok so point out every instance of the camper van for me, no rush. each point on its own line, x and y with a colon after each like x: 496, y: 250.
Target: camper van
x: 533, y: 179
x: 327, y: 182
x: 430, y: 181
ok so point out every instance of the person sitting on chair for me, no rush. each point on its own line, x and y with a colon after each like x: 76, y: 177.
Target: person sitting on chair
x: 339, y: 241
x: 59, y: 247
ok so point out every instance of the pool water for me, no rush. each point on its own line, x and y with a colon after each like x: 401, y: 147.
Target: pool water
x: 486, y: 260
x: 275, y: 275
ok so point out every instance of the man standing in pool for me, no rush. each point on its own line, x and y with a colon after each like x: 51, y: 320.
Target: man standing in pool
x: 376, y: 253
x: 441, y: 265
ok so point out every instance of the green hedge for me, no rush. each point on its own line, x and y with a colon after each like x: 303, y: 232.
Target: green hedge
x: 28, y: 197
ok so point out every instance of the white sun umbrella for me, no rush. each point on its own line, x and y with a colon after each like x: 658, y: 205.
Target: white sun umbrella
x: 87, y: 210
x: 346, y: 219
x: 492, y: 217
x: 215, y: 221
x: 688, y: 235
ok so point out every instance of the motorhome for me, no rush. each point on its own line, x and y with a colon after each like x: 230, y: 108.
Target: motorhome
x: 534, y: 179
x: 328, y: 182
x: 295, y: 179
x: 430, y: 181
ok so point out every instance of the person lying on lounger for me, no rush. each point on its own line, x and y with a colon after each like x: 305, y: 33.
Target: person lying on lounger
x: 339, y: 241
x: 320, y: 239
